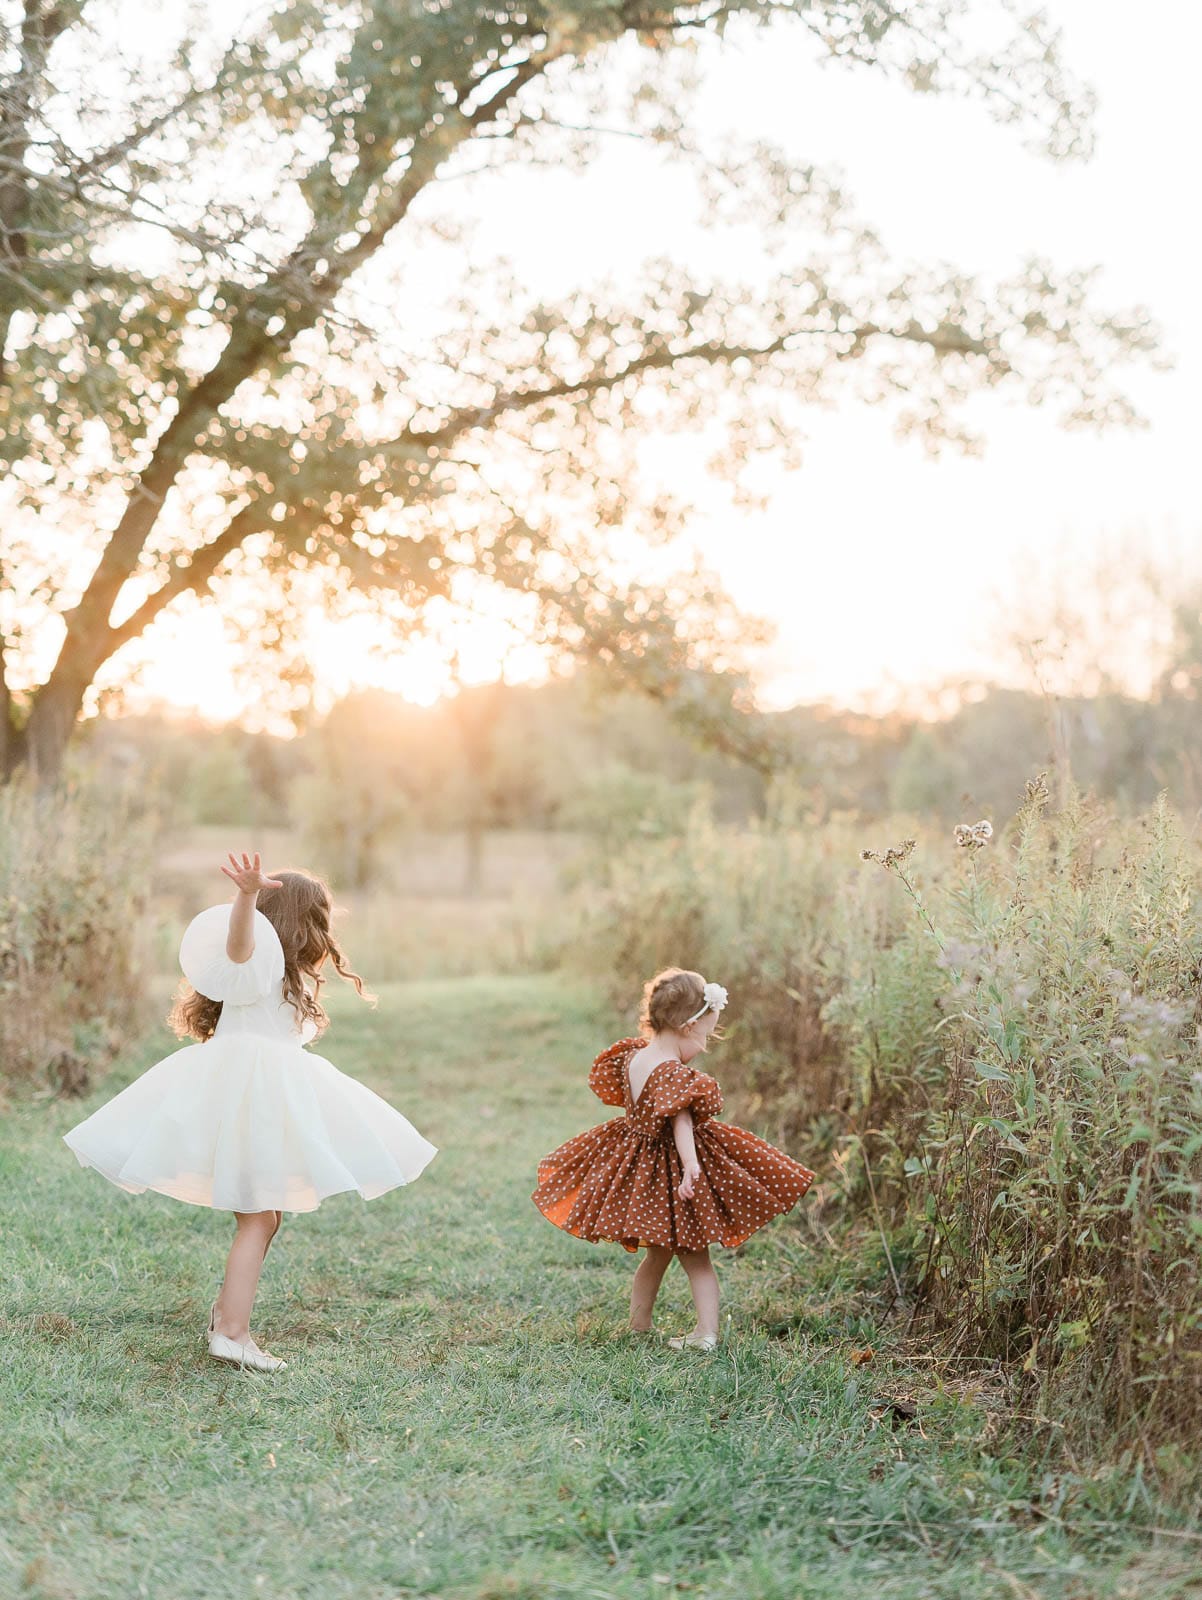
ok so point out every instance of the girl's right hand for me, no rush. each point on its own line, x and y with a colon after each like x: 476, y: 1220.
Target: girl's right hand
x: 691, y: 1173
x: 248, y: 875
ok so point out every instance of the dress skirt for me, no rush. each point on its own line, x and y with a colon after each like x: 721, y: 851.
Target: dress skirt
x: 250, y: 1123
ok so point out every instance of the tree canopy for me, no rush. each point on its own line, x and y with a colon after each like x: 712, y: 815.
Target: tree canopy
x: 217, y: 369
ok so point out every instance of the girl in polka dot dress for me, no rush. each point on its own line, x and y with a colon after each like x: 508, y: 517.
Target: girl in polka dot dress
x: 665, y: 1175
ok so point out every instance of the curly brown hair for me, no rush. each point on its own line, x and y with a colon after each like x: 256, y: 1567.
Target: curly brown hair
x: 670, y: 999
x: 299, y: 911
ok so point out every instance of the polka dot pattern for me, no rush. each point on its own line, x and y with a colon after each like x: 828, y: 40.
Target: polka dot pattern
x: 618, y: 1181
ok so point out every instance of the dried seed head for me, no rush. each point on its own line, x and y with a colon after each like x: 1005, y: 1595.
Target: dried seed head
x: 893, y: 857
x: 972, y: 835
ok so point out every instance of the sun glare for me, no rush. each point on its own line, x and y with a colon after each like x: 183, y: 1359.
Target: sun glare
x: 194, y: 667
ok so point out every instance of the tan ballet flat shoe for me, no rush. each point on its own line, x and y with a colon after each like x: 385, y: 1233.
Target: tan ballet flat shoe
x: 247, y: 1356
x: 693, y: 1341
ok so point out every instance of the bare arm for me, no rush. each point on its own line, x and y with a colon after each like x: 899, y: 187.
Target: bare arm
x: 686, y: 1149
x: 240, y: 943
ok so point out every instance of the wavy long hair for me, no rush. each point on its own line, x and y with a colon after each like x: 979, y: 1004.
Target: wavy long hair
x: 299, y: 911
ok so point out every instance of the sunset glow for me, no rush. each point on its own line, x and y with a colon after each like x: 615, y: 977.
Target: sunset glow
x: 196, y: 668
x: 885, y: 574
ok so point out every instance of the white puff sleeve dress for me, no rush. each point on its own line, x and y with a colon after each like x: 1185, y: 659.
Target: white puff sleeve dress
x: 250, y: 1120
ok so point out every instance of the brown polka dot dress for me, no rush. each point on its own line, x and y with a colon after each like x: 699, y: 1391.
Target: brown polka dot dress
x: 619, y: 1181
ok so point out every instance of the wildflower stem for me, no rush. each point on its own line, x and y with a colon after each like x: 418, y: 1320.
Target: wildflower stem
x: 897, y: 1288
x: 922, y: 910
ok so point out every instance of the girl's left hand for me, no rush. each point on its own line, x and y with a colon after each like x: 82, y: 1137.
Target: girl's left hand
x: 691, y: 1173
x: 248, y: 875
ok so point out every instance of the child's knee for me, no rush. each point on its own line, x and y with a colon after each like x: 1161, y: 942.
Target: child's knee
x: 263, y: 1223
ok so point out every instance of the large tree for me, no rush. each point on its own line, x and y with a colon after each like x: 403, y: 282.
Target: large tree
x: 216, y: 363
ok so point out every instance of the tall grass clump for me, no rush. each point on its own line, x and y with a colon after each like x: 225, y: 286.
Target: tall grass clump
x: 1055, y: 1193
x: 778, y: 913
x: 998, y: 1062
x: 73, y: 878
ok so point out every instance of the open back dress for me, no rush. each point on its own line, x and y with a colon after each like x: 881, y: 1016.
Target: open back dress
x: 619, y: 1180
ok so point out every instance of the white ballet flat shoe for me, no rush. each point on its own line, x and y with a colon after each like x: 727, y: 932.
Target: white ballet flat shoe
x: 246, y: 1355
x: 693, y: 1341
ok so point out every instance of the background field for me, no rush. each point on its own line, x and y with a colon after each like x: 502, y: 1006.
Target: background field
x: 420, y: 920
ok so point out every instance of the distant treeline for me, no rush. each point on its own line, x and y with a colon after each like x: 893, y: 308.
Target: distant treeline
x: 569, y: 755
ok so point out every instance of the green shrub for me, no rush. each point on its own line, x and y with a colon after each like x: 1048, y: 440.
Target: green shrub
x: 73, y: 878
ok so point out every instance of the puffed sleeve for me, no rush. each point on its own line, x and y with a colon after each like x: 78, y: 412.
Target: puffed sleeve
x: 607, y: 1079
x: 211, y: 972
x: 680, y: 1088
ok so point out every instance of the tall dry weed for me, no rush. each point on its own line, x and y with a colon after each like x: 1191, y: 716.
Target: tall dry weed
x: 1000, y: 1058
x: 1056, y: 1193
x: 779, y: 914
x: 73, y: 878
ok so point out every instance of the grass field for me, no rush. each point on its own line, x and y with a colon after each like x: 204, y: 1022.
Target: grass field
x: 463, y: 1416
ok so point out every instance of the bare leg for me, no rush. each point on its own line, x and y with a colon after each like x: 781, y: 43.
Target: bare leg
x: 703, y: 1282
x: 279, y: 1221
x: 646, y: 1284
x: 255, y: 1231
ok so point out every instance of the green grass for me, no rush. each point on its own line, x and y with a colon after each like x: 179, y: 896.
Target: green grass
x: 463, y: 1416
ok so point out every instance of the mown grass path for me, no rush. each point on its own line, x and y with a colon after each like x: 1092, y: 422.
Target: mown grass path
x: 463, y: 1417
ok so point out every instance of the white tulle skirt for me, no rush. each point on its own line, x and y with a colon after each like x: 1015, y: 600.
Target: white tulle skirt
x: 250, y: 1123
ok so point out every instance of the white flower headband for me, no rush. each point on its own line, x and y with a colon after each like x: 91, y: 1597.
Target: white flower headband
x: 715, y: 998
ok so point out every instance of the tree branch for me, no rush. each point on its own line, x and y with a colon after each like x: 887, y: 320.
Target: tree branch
x: 945, y: 341
x: 203, y: 564
x: 468, y: 418
x: 250, y: 345
x: 81, y: 167
x: 190, y: 578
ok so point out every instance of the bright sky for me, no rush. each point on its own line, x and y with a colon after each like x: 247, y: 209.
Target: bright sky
x: 882, y: 569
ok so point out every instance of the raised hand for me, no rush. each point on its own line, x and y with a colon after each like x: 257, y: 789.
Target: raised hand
x: 249, y: 875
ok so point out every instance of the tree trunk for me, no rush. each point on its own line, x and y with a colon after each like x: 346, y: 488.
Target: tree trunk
x: 45, y: 737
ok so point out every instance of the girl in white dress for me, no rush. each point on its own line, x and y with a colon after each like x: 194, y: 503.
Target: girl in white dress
x: 247, y: 1120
